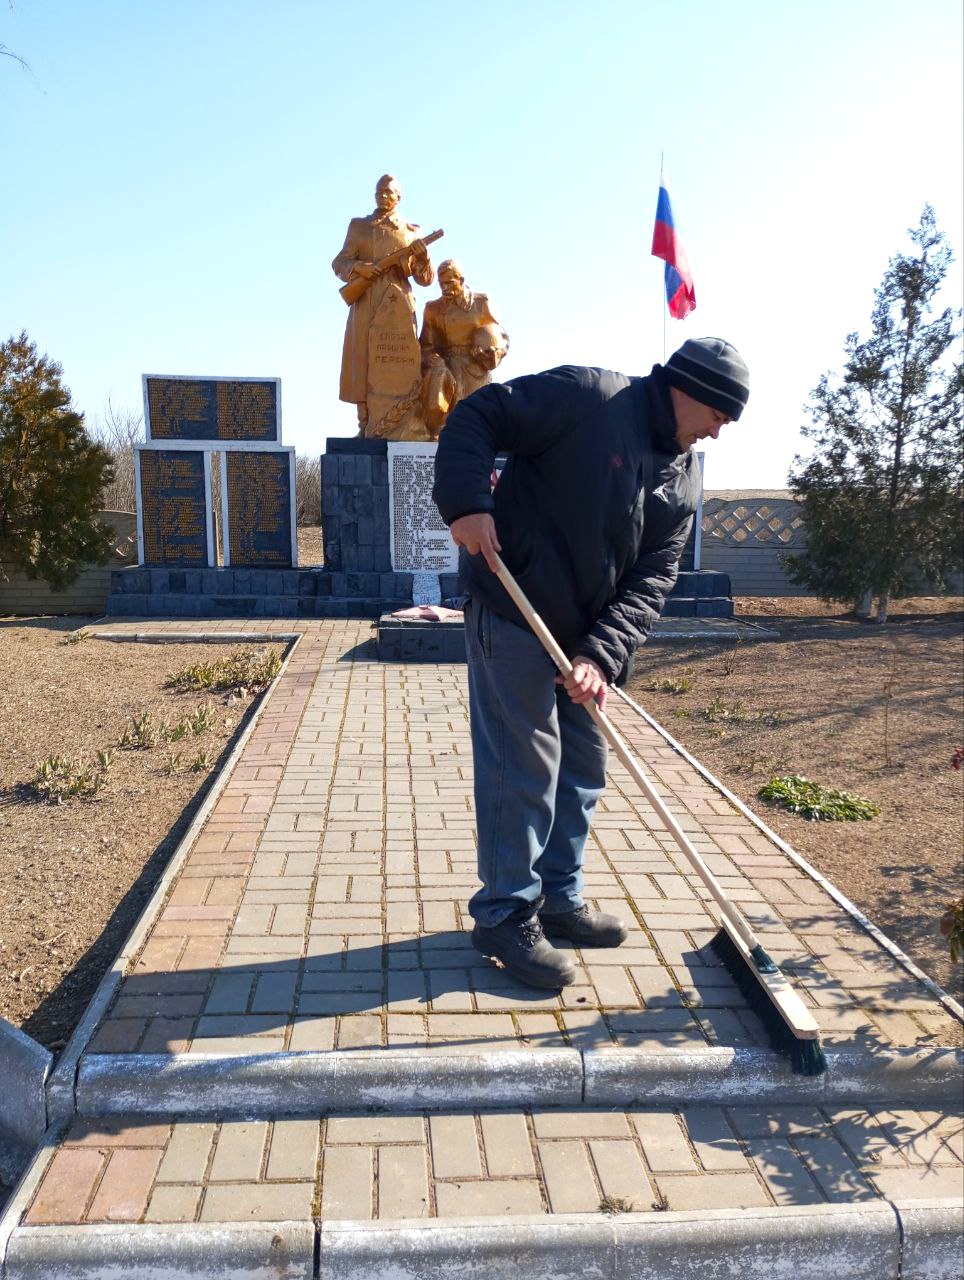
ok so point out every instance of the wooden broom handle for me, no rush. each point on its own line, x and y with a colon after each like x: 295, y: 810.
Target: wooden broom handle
x: 695, y: 859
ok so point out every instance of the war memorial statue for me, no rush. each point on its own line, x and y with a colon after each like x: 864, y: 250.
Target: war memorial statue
x: 381, y: 368
x: 461, y: 341
x: 403, y: 385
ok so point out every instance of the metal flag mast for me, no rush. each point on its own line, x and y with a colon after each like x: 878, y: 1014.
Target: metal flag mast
x: 663, y: 290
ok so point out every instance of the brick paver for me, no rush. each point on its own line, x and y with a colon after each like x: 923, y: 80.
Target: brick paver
x: 324, y: 905
x: 358, y: 1167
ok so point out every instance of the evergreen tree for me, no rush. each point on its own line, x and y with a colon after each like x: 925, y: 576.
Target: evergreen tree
x: 52, y: 475
x: 881, y: 494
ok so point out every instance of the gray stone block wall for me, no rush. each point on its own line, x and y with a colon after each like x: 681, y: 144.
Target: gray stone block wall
x: 754, y: 571
x: 354, y: 506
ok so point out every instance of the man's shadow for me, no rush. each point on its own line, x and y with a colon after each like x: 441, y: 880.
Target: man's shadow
x: 439, y: 973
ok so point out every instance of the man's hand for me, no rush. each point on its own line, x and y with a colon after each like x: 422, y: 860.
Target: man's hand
x: 477, y: 534
x: 587, y: 683
x: 367, y: 270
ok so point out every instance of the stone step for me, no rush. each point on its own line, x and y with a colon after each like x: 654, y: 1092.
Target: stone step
x: 642, y: 1193
x: 321, y: 593
x: 164, y: 605
x: 262, y: 593
x: 701, y: 582
x: 698, y: 607
x: 460, y: 1076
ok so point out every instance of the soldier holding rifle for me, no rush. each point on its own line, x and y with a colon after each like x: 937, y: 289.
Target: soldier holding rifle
x: 382, y: 234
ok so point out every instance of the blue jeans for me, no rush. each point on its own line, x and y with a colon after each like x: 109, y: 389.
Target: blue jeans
x: 540, y: 767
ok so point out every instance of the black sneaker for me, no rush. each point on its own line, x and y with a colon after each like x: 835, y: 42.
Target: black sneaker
x: 523, y: 949
x: 584, y: 927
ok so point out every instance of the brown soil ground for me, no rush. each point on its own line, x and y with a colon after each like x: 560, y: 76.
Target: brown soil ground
x: 310, y: 550
x: 875, y: 710
x: 74, y: 877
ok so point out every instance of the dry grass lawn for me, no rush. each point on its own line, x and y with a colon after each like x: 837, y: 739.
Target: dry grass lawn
x: 75, y: 876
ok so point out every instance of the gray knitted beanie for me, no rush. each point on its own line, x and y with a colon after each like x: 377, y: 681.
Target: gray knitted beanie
x: 712, y: 372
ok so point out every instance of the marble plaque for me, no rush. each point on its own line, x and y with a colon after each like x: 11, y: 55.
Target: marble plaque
x: 212, y: 408
x: 420, y: 540
x: 257, y: 489
x: 173, y: 507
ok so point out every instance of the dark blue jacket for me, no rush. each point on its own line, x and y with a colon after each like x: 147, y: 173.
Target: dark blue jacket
x: 593, y: 508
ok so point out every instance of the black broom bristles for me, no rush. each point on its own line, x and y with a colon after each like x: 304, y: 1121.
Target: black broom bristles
x: 806, y: 1056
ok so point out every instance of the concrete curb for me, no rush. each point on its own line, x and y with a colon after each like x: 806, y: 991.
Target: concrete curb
x: 861, y: 1242
x: 309, y: 1083
x: 931, y: 1235
x: 949, y: 1003
x: 192, y: 637
x: 686, y: 631
x: 25, y: 1065
x: 570, y: 1247
x: 218, y: 1251
x: 61, y: 1083
x: 908, y: 1077
x: 876, y: 1240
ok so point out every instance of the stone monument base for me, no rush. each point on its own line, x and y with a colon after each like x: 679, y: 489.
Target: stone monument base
x: 418, y: 640
x: 697, y: 594
x: 700, y: 593
x: 140, y: 592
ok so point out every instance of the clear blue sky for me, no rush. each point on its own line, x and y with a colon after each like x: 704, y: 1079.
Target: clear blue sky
x: 178, y: 174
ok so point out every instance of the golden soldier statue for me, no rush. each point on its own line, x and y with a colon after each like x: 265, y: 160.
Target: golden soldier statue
x: 381, y: 364
x: 461, y: 341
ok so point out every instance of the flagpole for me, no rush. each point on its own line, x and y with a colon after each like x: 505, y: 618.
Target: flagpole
x: 662, y: 291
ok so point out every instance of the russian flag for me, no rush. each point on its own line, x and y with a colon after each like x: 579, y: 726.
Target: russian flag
x: 680, y: 293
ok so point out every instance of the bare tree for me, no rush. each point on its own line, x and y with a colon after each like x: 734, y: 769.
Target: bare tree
x: 118, y: 430
x: 308, y: 489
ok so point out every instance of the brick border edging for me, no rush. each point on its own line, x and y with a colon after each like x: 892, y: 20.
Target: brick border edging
x: 25, y: 1064
x: 61, y: 1083
x: 309, y: 1082
x: 875, y: 1240
x: 948, y: 1001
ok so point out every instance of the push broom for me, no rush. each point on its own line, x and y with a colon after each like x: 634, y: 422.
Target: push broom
x: 789, y: 1023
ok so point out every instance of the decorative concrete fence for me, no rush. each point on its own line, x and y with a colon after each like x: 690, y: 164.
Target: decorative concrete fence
x: 745, y: 533
x: 24, y: 596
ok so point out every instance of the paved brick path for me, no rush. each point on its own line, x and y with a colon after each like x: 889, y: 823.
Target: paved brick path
x: 322, y: 906
x: 456, y: 1165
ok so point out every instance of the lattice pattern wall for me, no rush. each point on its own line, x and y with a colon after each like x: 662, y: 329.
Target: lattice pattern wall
x: 744, y: 535
x: 771, y: 522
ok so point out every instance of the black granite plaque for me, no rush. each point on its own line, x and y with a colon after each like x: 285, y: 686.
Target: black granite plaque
x: 259, y: 509
x: 173, y: 507
x: 212, y: 409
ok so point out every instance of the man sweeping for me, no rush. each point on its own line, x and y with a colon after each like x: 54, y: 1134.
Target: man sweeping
x: 591, y: 514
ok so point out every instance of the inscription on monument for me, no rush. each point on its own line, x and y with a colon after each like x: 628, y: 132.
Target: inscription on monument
x: 259, y: 509
x: 420, y: 539
x: 172, y: 495
x: 211, y: 408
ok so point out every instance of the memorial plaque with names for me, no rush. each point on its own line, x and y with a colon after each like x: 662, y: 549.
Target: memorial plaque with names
x: 172, y: 494
x: 211, y: 409
x: 420, y: 540
x: 258, y: 489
